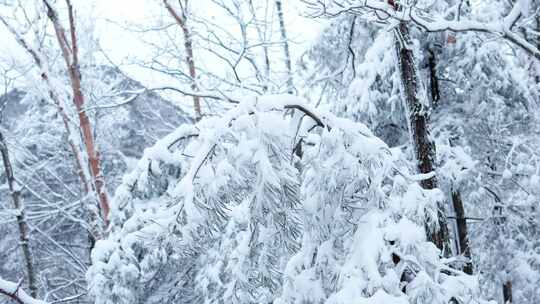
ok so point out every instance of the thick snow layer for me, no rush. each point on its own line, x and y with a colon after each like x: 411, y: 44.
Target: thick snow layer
x: 228, y: 202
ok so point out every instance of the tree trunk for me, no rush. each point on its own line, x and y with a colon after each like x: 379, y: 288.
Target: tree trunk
x: 58, y: 102
x: 266, y: 69
x: 433, y: 80
x: 70, y: 54
x: 537, y: 43
x: 190, y: 61
x: 463, y: 236
x: 22, y: 224
x: 461, y: 227
x: 285, y: 43
x: 418, y: 117
x: 507, y: 292
x: 74, y: 149
x: 93, y: 155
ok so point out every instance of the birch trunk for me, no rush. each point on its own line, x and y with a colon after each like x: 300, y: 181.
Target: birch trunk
x: 22, y: 223
x: 190, y: 60
x: 70, y: 54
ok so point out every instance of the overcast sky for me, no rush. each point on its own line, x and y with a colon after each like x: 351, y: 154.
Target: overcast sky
x: 122, y: 45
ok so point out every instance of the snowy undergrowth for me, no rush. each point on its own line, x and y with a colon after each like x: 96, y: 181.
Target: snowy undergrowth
x: 273, y: 202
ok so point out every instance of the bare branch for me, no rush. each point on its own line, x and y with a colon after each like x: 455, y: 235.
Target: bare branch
x: 190, y: 60
x: 429, y: 22
x: 70, y: 54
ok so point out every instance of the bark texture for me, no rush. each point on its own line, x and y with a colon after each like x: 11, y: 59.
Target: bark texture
x: 537, y: 6
x: 507, y: 292
x: 24, y: 231
x: 462, y: 230
x: 418, y: 116
x: 70, y: 53
x: 434, y: 81
x: 463, y: 234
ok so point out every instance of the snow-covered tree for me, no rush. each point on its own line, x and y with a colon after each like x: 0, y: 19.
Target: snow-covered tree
x: 41, y: 130
x: 272, y: 198
x: 482, y: 97
x: 256, y: 206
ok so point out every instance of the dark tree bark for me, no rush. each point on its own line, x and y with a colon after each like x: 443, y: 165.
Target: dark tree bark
x: 537, y: 6
x: 507, y: 292
x: 433, y: 80
x: 461, y: 227
x: 418, y: 116
x: 22, y: 223
x: 463, y: 235
x: 457, y: 202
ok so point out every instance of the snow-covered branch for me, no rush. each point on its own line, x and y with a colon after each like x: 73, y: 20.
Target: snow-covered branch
x: 160, y: 151
x: 16, y: 293
x: 430, y: 22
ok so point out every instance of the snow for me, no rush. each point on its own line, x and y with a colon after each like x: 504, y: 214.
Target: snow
x: 224, y: 210
x: 380, y: 297
x: 507, y: 174
x: 14, y: 289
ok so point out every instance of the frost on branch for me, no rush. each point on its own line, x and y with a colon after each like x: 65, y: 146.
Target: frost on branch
x: 278, y: 202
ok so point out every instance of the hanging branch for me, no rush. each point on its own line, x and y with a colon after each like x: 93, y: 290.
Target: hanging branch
x: 188, y: 131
